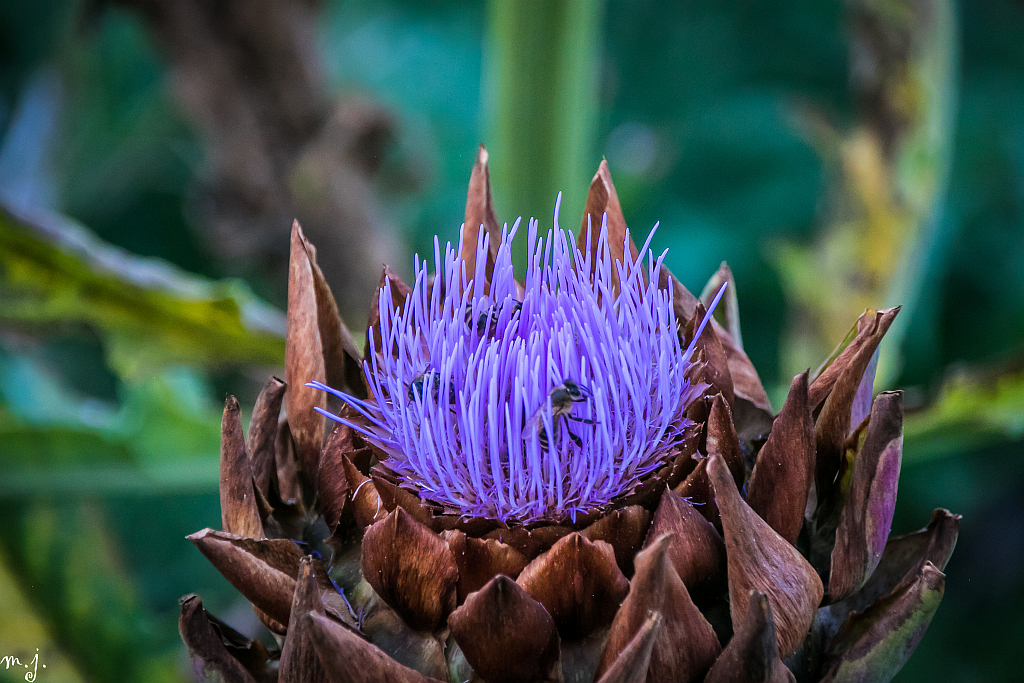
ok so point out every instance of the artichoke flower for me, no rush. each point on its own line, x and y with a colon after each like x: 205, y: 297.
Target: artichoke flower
x: 577, y: 477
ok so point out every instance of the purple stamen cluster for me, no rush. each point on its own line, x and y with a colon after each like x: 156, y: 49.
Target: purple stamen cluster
x: 471, y: 407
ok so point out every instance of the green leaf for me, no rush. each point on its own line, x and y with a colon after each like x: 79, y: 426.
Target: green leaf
x: 164, y: 437
x: 150, y: 313
x: 973, y: 409
x: 23, y: 632
x: 73, y: 576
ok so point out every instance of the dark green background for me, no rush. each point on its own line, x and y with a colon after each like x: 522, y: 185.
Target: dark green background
x: 712, y: 85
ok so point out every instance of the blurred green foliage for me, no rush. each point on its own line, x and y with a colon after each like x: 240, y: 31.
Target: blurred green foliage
x: 112, y: 366
x: 55, y: 271
x: 544, y: 54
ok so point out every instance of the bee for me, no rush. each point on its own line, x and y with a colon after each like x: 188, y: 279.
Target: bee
x: 563, y: 398
x: 487, y: 322
x: 416, y: 386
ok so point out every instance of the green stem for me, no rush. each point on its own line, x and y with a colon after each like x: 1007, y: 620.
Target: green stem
x: 540, y: 107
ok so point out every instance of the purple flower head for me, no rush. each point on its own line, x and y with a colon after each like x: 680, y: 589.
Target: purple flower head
x: 535, y: 409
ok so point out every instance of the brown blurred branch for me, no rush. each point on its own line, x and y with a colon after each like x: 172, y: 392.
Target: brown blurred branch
x: 888, y: 182
x: 248, y: 75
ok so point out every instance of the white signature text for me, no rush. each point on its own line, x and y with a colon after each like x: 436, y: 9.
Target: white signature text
x: 7, y: 661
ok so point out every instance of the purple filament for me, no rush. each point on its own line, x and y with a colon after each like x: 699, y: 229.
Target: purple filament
x: 495, y: 445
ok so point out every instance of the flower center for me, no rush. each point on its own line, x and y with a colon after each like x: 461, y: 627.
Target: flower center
x: 531, y: 409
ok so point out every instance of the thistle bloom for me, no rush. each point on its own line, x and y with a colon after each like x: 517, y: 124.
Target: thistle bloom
x: 465, y: 407
x: 576, y: 478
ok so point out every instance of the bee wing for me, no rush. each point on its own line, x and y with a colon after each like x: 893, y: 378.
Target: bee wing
x: 536, y: 420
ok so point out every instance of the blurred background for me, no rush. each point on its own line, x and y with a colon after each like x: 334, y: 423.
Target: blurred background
x: 153, y: 154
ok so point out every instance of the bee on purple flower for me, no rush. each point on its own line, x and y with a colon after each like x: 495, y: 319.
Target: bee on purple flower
x: 573, y: 343
x: 562, y: 399
x: 431, y: 378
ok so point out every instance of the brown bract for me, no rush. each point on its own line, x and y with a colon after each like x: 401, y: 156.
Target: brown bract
x: 477, y: 527
x: 287, y: 464
x: 263, y: 571
x: 411, y: 569
x: 394, y: 496
x: 422, y: 651
x: 716, y: 363
x: 685, y: 646
x: 746, y: 382
x: 221, y: 650
x: 331, y: 479
x: 867, y: 516
x: 722, y: 438
x: 602, y: 201
x: 399, y: 292
x: 751, y: 656
x: 834, y: 423
x: 784, y: 469
x: 304, y: 354
x: 873, y: 646
x: 905, y: 555
x: 697, y: 490
x: 347, y: 658
x: 761, y: 560
x: 239, y: 511
x: 699, y: 411
x: 507, y: 636
x: 684, y: 303
x: 696, y: 549
x: 871, y: 327
x: 752, y: 406
x: 633, y: 661
x: 342, y: 359
x: 263, y: 428
x: 481, y: 559
x: 299, y: 662
x: 900, y: 564
x: 480, y: 214
x: 367, y: 506
x: 530, y: 542
x: 686, y: 456
x: 579, y: 584
x: 730, y: 303
x: 624, y: 530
